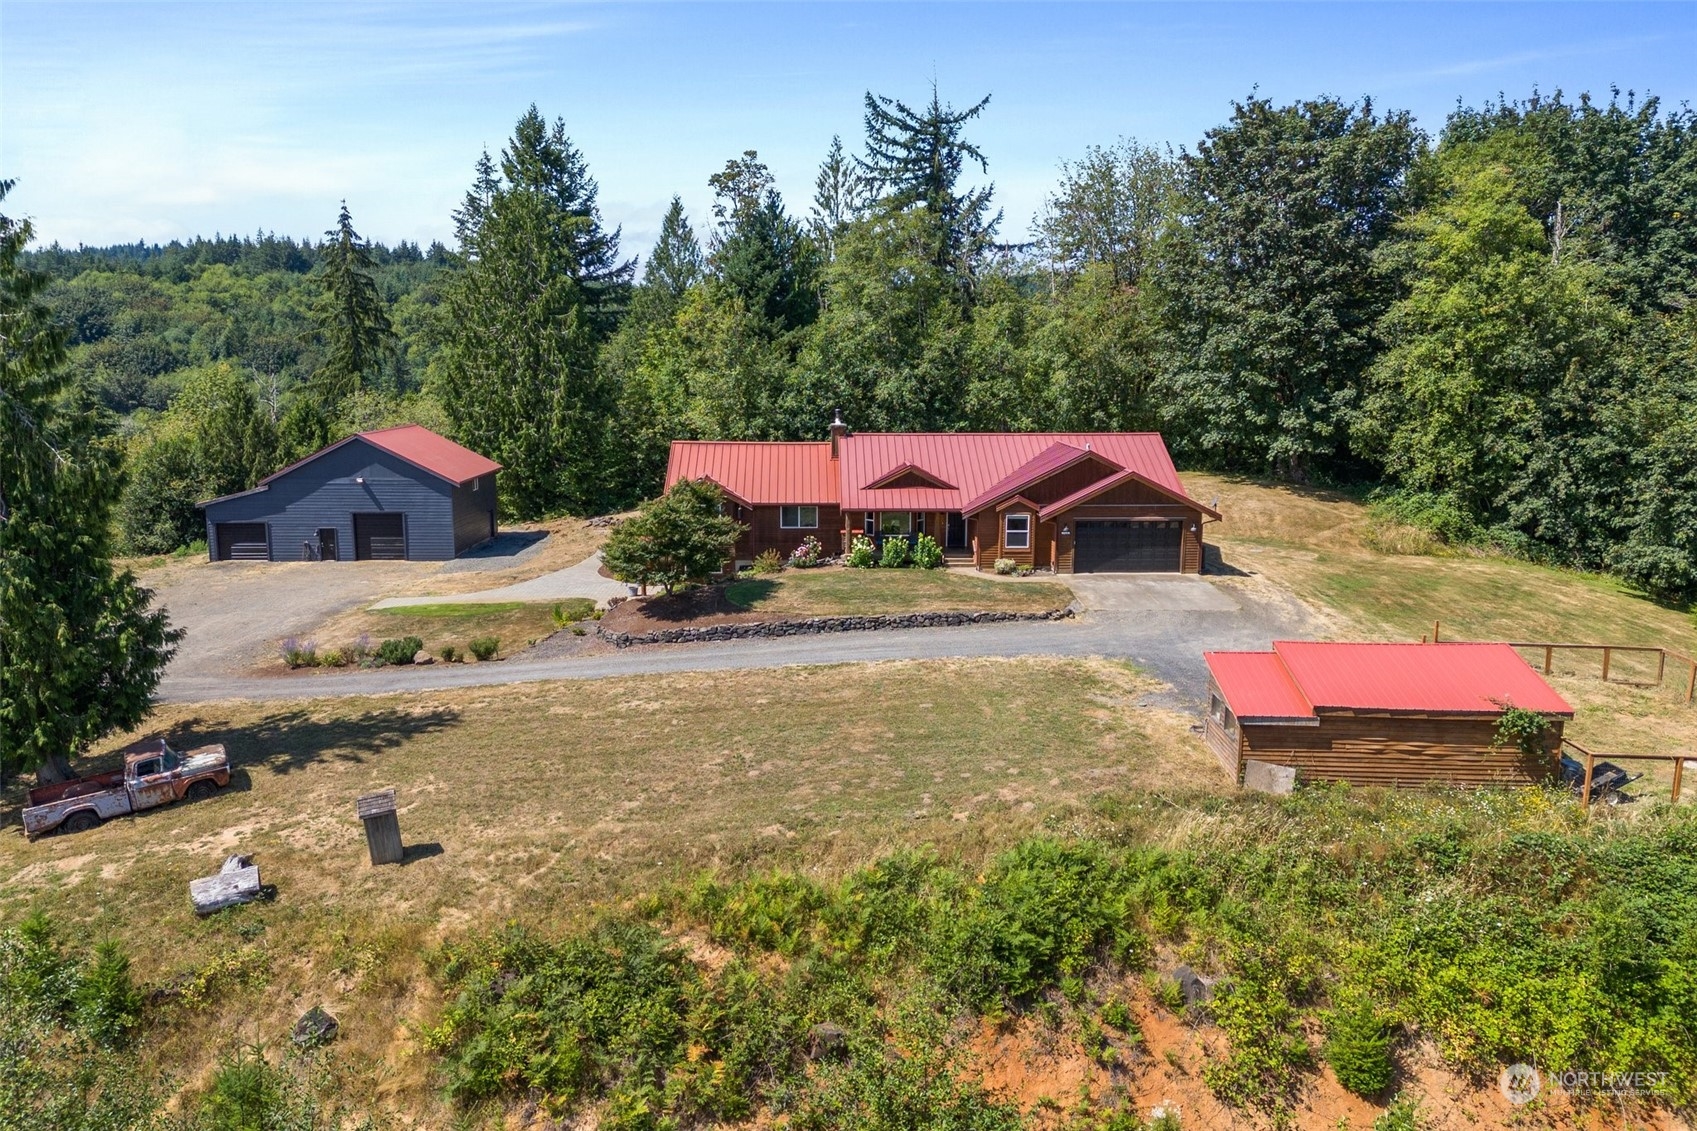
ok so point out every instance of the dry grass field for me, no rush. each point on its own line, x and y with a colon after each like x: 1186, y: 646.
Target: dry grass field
x: 544, y: 802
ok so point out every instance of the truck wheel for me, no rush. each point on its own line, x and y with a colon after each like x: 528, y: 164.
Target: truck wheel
x: 81, y: 821
x: 201, y: 790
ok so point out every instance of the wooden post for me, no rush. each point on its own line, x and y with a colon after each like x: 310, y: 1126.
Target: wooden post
x: 1691, y: 684
x: 1549, y: 657
x: 1678, y: 775
x: 1661, y: 665
x: 1434, y: 632
x: 1585, y: 790
x: 1608, y: 653
x: 382, y: 826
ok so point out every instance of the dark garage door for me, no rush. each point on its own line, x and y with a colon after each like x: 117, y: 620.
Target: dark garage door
x: 1128, y: 547
x: 380, y: 538
x: 242, y: 542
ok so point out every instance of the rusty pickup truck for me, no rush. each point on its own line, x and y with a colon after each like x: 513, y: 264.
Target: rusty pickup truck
x: 153, y: 775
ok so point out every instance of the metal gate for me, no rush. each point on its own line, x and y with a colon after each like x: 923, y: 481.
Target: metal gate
x: 380, y: 538
x: 242, y: 542
x: 1128, y: 547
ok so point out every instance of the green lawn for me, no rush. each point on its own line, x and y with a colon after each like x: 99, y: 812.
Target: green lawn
x: 514, y: 623
x: 863, y: 592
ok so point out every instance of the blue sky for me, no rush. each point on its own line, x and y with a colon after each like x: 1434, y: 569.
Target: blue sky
x: 154, y: 121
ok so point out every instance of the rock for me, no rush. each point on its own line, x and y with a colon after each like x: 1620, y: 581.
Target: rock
x: 826, y: 1040
x: 1194, y: 986
x: 615, y: 602
x: 316, y: 1027
x: 423, y: 657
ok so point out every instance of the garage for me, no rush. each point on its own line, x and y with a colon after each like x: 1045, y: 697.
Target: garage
x: 1106, y: 546
x: 380, y: 538
x: 242, y: 542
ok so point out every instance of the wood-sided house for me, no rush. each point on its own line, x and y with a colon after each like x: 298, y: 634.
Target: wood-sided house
x: 1379, y: 714
x: 1074, y: 502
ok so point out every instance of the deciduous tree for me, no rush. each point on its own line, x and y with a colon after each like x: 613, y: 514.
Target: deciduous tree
x: 682, y: 536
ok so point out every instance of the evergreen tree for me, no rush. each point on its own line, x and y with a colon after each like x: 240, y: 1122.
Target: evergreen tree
x: 675, y: 266
x: 1273, y: 291
x: 517, y: 373
x: 914, y: 161
x: 760, y: 254
x: 839, y: 196
x: 81, y: 650
x: 352, y: 317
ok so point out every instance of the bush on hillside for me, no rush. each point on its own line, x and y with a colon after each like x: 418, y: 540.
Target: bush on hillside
x: 399, y: 651
x: 1358, y: 1047
x: 484, y: 647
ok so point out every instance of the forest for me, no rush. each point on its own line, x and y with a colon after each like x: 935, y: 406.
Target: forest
x: 1489, y: 329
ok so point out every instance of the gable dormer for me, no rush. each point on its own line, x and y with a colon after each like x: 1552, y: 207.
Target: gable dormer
x: 908, y: 475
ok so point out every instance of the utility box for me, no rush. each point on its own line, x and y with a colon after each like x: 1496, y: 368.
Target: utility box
x: 382, y: 826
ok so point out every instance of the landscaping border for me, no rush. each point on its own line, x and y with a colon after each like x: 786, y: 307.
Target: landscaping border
x: 809, y: 626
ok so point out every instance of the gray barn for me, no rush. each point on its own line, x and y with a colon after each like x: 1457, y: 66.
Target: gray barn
x: 399, y: 493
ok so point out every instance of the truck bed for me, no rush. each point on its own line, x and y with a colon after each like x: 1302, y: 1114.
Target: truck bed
x: 76, y: 787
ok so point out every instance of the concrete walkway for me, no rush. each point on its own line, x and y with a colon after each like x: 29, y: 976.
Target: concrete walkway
x: 581, y: 580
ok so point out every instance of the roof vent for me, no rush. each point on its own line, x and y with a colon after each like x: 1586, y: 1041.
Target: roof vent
x: 1087, y: 445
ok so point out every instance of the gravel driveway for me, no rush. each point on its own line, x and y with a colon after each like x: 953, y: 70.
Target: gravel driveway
x: 1122, y: 619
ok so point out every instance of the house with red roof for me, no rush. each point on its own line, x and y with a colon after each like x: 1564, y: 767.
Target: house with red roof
x: 1073, y: 502
x: 393, y: 494
x: 1380, y: 714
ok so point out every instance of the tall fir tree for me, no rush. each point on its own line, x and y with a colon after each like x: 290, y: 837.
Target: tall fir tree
x: 81, y: 648
x: 760, y: 253
x: 517, y: 373
x: 675, y: 265
x: 914, y: 161
x: 839, y: 196
x: 352, y: 316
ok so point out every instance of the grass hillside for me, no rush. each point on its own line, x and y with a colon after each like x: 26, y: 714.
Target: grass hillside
x: 942, y: 895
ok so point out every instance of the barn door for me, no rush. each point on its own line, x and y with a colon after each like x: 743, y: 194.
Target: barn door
x: 380, y: 538
x: 242, y: 542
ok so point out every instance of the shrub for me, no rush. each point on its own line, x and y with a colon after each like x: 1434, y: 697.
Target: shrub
x: 299, y: 655
x: 1521, y: 730
x: 1402, y: 1115
x: 195, y: 549
x: 1117, y: 1015
x: 927, y: 552
x: 1358, y: 1047
x: 863, y: 554
x: 331, y: 658
x: 399, y: 651
x: 360, y: 650
x: 484, y: 647
x: 768, y: 561
x: 809, y: 554
x: 682, y: 536
x: 1006, y: 566
x: 896, y: 553
x: 451, y: 654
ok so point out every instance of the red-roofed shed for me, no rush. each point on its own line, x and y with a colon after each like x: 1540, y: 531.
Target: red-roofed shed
x: 1379, y: 714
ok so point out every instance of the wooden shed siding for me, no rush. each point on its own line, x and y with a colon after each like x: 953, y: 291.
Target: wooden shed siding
x: 764, y: 533
x: 1398, y: 750
x: 1225, y: 748
x: 322, y: 493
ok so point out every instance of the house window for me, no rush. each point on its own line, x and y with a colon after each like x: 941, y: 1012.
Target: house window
x: 871, y: 524
x: 1017, y: 534
x: 895, y: 522
x: 798, y: 518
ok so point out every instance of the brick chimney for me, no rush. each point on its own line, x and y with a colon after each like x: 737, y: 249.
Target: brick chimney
x: 838, y: 431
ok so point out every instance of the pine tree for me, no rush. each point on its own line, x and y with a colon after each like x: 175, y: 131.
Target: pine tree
x: 352, y: 316
x: 675, y: 266
x: 915, y: 160
x: 760, y: 254
x: 81, y: 651
x: 839, y: 195
x: 517, y: 373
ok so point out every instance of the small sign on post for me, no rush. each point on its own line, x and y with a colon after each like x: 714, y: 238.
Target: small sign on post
x: 382, y: 826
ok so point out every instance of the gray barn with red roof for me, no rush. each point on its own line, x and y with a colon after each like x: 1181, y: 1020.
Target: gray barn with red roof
x: 1380, y: 714
x: 1068, y: 501
x: 395, y: 494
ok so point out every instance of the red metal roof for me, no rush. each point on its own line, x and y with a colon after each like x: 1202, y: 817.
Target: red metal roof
x: 1257, y: 686
x: 438, y: 455
x: 1435, y: 679
x: 1040, y: 466
x: 976, y: 462
x: 759, y: 473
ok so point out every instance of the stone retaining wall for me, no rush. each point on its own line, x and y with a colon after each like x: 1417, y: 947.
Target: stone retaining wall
x: 813, y: 625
